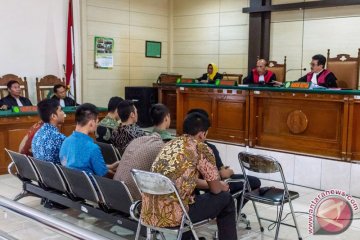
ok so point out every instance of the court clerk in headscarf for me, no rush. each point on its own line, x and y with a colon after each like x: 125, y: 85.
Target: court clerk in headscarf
x: 211, y: 75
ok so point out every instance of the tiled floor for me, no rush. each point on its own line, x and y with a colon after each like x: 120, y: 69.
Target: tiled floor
x: 17, y: 227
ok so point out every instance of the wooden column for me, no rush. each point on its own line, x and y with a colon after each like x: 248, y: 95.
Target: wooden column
x: 259, y: 33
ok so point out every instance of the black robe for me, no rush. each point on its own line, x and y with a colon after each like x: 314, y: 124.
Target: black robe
x: 205, y: 77
x: 10, y: 101
x: 69, y: 102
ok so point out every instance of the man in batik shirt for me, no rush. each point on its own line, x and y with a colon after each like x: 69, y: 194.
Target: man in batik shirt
x: 48, y: 139
x: 182, y: 160
x: 128, y: 130
x: 109, y: 123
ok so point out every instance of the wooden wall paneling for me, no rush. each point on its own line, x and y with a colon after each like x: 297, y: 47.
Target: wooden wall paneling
x: 231, y: 117
x: 3, y: 155
x: 347, y: 114
x: 252, y: 118
x: 354, y: 132
x: 226, y: 109
x: 179, y: 110
x: 167, y: 96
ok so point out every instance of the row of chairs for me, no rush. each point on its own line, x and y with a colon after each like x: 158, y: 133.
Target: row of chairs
x: 44, y: 85
x: 111, y: 200
x: 101, y: 197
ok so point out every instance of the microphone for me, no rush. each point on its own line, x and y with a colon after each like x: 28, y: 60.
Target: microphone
x: 227, y: 76
x: 294, y: 69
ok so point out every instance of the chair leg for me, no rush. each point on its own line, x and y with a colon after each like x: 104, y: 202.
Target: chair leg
x: 162, y: 235
x: 149, y: 234
x: 181, y: 228
x: 295, y: 222
x: 244, y: 220
x: 237, y: 213
x: 258, y: 218
x: 138, y: 230
x: 194, y: 233
x: 279, y: 221
x: 21, y: 195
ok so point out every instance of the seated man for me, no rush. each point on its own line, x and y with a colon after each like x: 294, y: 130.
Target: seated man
x: 225, y: 171
x: 25, y: 145
x: 79, y: 151
x: 14, y: 98
x: 60, y: 96
x: 260, y: 75
x: 319, y: 75
x: 128, y: 130
x: 182, y: 160
x: 110, y: 122
x: 139, y: 154
x: 160, y: 116
x: 47, y: 141
x: 211, y: 75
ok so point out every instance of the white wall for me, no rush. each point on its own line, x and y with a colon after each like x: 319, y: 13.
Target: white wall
x: 210, y: 31
x: 33, y: 38
x: 130, y: 23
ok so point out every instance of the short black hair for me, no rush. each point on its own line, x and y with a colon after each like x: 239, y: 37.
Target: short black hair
x: 85, y: 113
x: 194, y: 123
x: 57, y: 86
x: 125, y: 108
x: 10, y: 83
x: 113, y: 103
x: 46, y: 108
x: 158, y: 113
x: 320, y: 58
x: 198, y: 110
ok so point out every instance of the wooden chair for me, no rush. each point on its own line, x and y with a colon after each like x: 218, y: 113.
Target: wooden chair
x: 345, y: 68
x: 278, y: 69
x: 45, y: 85
x: 8, y: 77
x: 233, y: 76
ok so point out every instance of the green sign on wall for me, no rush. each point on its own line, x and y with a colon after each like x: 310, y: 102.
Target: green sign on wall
x: 153, y: 49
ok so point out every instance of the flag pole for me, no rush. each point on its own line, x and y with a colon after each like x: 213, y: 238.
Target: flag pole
x: 73, y: 40
x: 70, y: 72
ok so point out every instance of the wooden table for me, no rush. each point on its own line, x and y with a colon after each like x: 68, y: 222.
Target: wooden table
x: 312, y: 122
x: 14, y: 126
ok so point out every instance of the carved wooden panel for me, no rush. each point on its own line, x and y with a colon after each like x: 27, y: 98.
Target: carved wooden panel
x: 299, y: 125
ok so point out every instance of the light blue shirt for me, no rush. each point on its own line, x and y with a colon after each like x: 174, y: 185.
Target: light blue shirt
x: 79, y: 151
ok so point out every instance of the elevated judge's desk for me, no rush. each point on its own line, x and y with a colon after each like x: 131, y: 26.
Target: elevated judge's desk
x: 14, y: 126
x: 322, y: 123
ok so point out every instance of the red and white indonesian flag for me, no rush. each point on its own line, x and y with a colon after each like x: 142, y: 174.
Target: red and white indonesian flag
x: 70, y: 53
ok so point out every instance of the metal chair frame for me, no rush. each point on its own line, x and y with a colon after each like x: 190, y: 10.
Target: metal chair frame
x: 266, y: 164
x: 145, y: 183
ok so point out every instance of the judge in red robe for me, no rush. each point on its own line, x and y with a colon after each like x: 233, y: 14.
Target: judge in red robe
x: 318, y: 74
x: 260, y: 75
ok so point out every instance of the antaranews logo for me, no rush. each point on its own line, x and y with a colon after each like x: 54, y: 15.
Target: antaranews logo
x: 331, y: 212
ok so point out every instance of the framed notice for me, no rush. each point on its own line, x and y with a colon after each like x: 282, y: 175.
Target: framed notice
x: 104, y: 48
x: 153, y: 49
